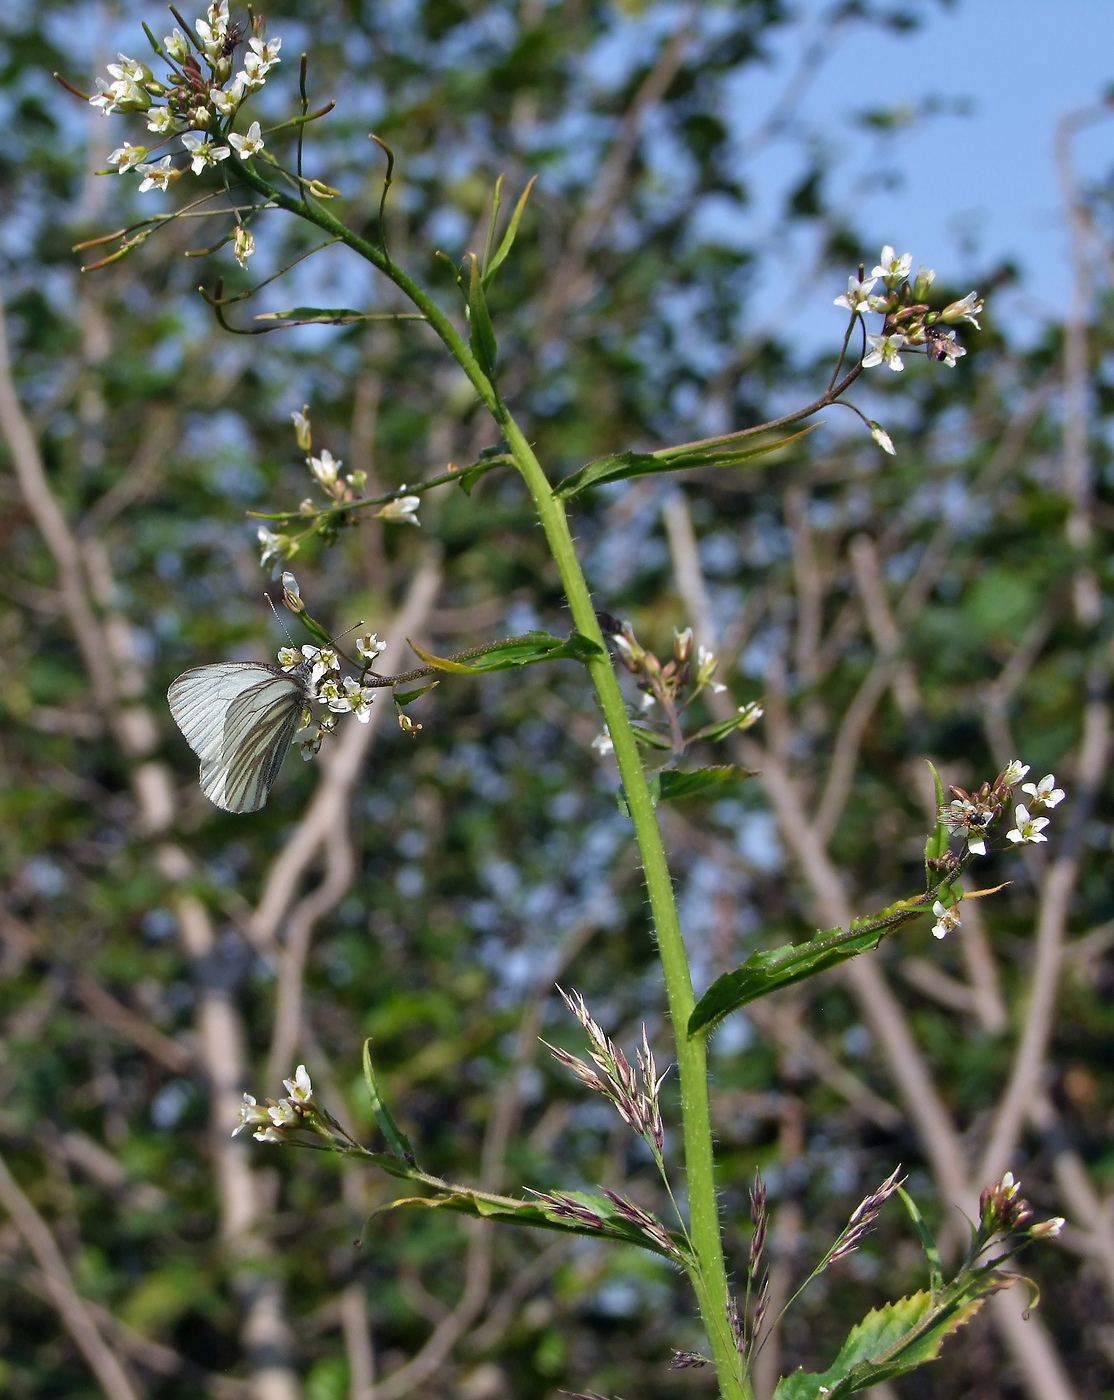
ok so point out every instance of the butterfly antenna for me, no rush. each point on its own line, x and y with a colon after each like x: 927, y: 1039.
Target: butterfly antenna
x: 279, y: 617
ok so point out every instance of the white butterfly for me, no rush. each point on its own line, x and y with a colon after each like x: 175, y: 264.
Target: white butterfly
x: 239, y: 718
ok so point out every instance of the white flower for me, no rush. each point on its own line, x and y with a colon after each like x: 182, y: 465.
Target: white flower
x: 251, y: 1115
x: 269, y: 1135
x: 965, y: 309
x: 882, y: 438
x: 213, y: 33
x: 161, y: 119
x: 311, y: 745
x: 226, y: 100
x: 1047, y: 1229
x: 925, y: 278
x: 1012, y: 774
x: 263, y: 56
x: 323, y: 660
x: 325, y: 469
x: 202, y: 151
x: 291, y: 592
x: 360, y: 698
x: 274, y: 548
x: 602, y: 743
x: 284, y: 1114
x: 177, y: 46
x: 302, y: 428
x: 157, y: 175
x: 244, y: 246
x: 248, y: 145
x: 1010, y: 1186
x: 329, y: 693
x: 289, y: 658
x: 1028, y: 829
x: 892, y: 268
x: 368, y: 647
x: 946, y: 920
x: 884, y: 351
x: 857, y: 297
x: 127, y: 157
x: 401, y: 512
x: 1045, y: 793
x: 299, y: 1088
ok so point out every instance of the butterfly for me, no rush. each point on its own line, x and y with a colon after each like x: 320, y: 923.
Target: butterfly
x: 239, y: 718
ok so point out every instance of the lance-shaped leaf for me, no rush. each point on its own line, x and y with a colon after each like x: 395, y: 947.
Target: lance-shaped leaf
x: 674, y: 784
x: 332, y: 316
x: 397, y: 1140
x: 527, y: 650
x: 573, y: 1212
x: 763, y: 973
x: 482, y: 336
x: 406, y: 697
x: 625, y: 465
x: 496, y: 261
x: 937, y: 844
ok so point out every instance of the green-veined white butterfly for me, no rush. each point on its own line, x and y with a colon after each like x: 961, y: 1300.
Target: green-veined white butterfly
x: 239, y: 718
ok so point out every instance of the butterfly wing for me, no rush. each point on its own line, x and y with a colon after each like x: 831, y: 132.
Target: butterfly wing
x: 239, y: 718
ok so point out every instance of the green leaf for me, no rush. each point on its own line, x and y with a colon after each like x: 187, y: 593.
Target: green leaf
x: 928, y: 1244
x: 469, y: 475
x: 512, y: 232
x: 747, y: 718
x: 482, y: 336
x: 888, y: 1342
x: 937, y: 844
x: 483, y: 1205
x: 404, y: 697
x: 527, y: 650
x: 397, y: 1140
x: 675, y: 784
x: 648, y: 738
x: 763, y: 973
x: 322, y: 315
x: 631, y: 464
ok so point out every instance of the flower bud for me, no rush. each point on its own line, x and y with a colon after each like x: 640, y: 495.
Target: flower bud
x: 682, y: 645
x: 925, y: 278
x: 1047, y: 1229
x: 291, y: 594
x: 302, y: 429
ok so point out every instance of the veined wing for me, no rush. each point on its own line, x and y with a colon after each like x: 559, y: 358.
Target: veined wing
x: 257, y: 734
x: 200, y: 700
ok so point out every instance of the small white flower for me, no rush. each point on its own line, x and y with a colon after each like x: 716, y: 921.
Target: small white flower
x: 925, y: 278
x: 324, y: 661
x: 1012, y: 774
x: 226, y: 100
x: 1047, y: 1229
x: 273, y: 548
x: 311, y: 745
x: 248, y: 145
x: 329, y: 693
x: 291, y: 592
x: 299, y: 1088
x: 157, y: 175
x: 244, y: 246
x: 749, y: 715
x: 966, y: 309
x: 360, y: 698
x: 1028, y: 830
x: 302, y: 429
x: 177, y: 46
x: 325, y: 469
x: 857, y: 297
x: 161, y: 120
x: 885, y: 351
x: 882, y: 438
x: 269, y: 1135
x: 1045, y: 793
x: 202, y: 151
x: 401, y: 512
x: 946, y: 920
x: 289, y: 658
x: 892, y: 268
x: 368, y: 647
x: 251, y: 1115
x: 1010, y: 1186
x: 602, y: 743
x: 284, y: 1114
x: 127, y: 157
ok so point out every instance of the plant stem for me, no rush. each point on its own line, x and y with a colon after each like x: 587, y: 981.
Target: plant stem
x: 709, y: 1275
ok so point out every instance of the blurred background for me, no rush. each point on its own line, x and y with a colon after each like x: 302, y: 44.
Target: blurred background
x: 709, y: 175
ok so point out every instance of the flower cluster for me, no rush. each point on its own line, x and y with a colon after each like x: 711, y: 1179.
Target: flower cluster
x: 635, y: 1096
x: 972, y: 814
x: 272, y: 1119
x: 320, y: 669
x: 909, y: 325
x: 1002, y: 1209
x: 196, y: 101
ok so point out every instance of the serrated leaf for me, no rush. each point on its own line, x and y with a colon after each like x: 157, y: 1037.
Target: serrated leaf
x: 675, y: 784
x: 763, y: 973
x: 625, y: 465
x: 527, y: 650
x: 406, y: 697
x: 482, y: 334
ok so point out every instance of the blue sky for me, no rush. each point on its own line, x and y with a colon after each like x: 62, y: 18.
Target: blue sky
x: 979, y: 187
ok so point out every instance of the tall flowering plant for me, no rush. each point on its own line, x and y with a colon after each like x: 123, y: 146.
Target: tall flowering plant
x: 196, y: 131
